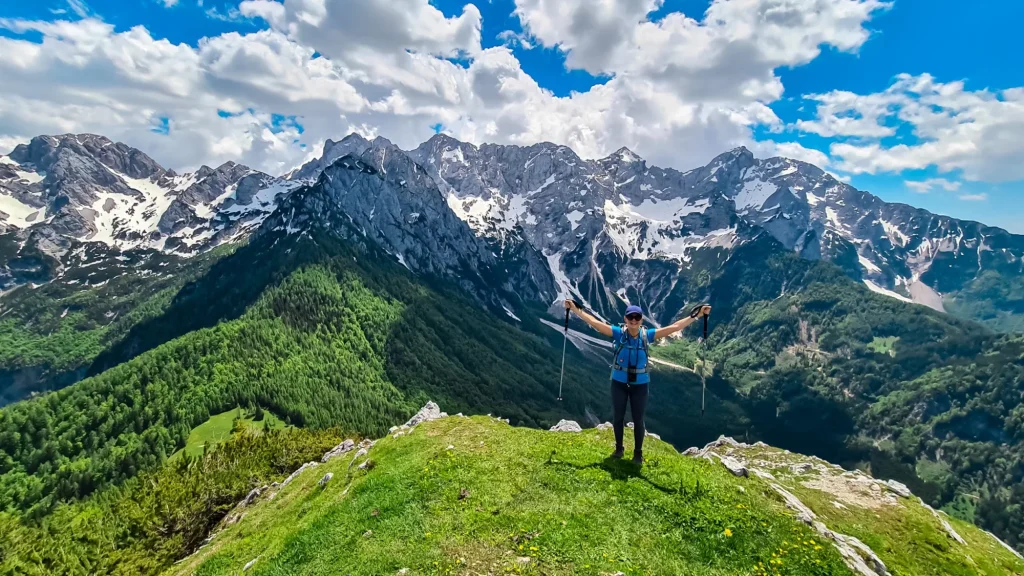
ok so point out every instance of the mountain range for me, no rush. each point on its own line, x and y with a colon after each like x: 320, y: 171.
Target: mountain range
x: 537, y: 221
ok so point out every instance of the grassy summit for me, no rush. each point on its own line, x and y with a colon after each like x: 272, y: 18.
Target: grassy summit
x: 473, y: 495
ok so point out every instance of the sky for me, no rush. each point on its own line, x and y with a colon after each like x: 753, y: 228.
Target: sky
x: 917, y: 102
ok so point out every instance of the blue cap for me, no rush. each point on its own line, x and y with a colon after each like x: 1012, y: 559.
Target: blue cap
x: 634, y: 309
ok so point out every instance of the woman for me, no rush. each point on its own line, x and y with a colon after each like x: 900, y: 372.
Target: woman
x: 629, y: 367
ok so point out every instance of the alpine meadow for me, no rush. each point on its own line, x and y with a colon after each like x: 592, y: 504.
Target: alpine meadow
x: 416, y: 287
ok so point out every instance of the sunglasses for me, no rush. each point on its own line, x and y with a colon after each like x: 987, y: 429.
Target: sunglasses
x: 637, y: 317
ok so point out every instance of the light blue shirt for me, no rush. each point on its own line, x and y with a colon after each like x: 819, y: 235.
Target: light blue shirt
x: 631, y: 355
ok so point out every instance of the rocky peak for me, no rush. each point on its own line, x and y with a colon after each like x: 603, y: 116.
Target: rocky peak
x: 43, y: 152
x: 352, y: 144
x: 624, y: 155
x: 440, y: 140
x: 382, y: 142
x: 384, y: 196
x: 33, y: 152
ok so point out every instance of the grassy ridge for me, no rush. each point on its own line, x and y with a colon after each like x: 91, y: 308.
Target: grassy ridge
x: 473, y: 496
x: 908, y: 537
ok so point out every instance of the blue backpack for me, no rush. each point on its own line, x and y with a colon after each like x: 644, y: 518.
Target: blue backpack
x: 622, y: 343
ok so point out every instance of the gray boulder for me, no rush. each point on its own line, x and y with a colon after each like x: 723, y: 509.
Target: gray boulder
x: 566, y: 426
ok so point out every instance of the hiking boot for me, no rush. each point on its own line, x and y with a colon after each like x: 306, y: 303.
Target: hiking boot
x: 617, y: 454
x: 638, y: 458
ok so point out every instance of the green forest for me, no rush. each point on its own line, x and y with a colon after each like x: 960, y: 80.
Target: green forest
x: 51, y: 333
x: 159, y: 516
x: 326, y: 336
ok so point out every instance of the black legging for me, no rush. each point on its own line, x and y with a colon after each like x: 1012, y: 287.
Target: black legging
x: 637, y: 396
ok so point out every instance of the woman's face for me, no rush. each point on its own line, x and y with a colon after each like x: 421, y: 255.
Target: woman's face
x: 633, y: 320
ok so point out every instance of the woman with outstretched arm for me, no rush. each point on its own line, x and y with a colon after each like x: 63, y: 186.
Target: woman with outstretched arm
x: 629, y: 367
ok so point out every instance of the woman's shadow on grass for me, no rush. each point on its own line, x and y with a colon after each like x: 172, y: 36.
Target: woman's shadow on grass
x: 617, y: 469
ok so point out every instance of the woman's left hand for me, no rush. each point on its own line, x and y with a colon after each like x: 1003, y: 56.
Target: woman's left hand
x: 699, y: 311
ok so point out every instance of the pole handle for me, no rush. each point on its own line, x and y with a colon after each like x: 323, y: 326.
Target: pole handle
x: 566, y: 319
x: 705, y: 329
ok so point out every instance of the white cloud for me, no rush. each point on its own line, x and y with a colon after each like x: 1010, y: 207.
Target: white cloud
x: 79, y: 7
x: 977, y: 132
x: 796, y: 151
x: 169, y: 3
x: 229, y: 15
x: 511, y: 38
x: 974, y: 197
x: 730, y: 56
x: 924, y: 186
x: 847, y: 114
x: 680, y: 90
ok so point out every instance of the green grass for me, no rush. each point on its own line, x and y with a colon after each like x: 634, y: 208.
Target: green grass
x: 883, y: 345
x: 910, y: 540
x: 907, y: 537
x: 538, y: 503
x: 218, y: 429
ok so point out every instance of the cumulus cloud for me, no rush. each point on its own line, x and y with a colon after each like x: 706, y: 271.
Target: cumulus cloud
x: 974, y: 197
x: 793, y: 150
x: 924, y: 186
x: 680, y: 90
x: 976, y: 132
x: 728, y: 56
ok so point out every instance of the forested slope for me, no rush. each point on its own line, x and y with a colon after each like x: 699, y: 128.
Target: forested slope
x: 345, y: 339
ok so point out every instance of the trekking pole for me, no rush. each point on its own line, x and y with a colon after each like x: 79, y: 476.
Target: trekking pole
x: 564, y: 340
x: 703, y: 362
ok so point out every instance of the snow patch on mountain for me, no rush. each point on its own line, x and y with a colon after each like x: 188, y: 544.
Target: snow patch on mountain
x: 878, y: 289
x: 453, y: 155
x: 208, y: 209
x: 264, y: 201
x: 833, y: 218
x: 662, y: 211
x: 517, y: 207
x: 868, y: 264
x: 550, y: 180
x: 29, y: 177
x: 561, y: 280
x: 472, y: 210
x: 18, y: 213
x: 754, y: 194
x: 895, y: 235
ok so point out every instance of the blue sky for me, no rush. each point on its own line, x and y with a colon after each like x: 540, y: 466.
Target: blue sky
x: 947, y: 40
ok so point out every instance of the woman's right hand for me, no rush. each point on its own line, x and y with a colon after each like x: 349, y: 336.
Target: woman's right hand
x: 570, y: 305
